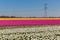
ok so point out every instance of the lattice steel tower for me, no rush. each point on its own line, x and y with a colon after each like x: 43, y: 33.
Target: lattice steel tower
x: 45, y: 10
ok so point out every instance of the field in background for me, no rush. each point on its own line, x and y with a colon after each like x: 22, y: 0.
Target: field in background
x: 30, y: 33
x: 29, y: 21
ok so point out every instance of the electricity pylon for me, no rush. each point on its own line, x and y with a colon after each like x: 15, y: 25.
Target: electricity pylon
x: 45, y: 10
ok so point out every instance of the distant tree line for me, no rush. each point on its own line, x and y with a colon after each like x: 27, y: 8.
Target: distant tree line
x: 25, y: 17
x: 7, y: 16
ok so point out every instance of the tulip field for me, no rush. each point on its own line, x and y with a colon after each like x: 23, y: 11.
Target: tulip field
x: 29, y: 21
x: 29, y: 28
x: 31, y: 33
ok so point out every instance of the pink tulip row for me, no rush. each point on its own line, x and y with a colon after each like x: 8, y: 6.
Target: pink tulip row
x: 28, y: 22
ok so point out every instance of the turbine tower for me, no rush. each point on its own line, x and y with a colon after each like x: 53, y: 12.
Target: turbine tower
x: 45, y: 10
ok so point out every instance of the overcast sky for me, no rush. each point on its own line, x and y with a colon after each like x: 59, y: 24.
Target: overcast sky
x: 27, y: 8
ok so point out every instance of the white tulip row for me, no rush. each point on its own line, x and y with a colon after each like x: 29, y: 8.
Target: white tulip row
x: 31, y: 33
